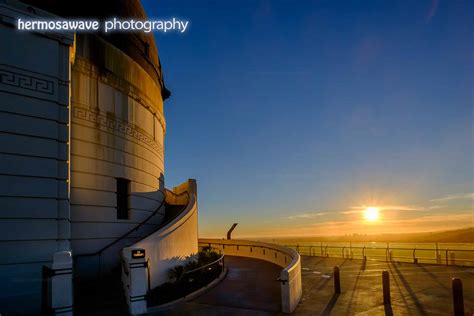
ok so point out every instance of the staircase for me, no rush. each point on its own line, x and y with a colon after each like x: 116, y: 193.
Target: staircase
x: 104, y: 294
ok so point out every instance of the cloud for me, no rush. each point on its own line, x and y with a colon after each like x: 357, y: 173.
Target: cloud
x: 460, y: 196
x: 361, y: 209
x: 432, y: 11
x: 435, y: 207
x: 352, y: 212
x: 411, y: 225
x: 388, y: 208
x: 307, y: 215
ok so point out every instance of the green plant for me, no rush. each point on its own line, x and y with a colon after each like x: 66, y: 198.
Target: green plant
x: 176, y: 273
x: 206, y: 248
x: 185, y: 280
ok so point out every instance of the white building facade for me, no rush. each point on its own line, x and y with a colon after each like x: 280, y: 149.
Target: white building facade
x: 81, y: 152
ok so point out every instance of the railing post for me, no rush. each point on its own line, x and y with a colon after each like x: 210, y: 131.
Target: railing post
x: 61, y: 284
x: 134, y: 278
x: 386, y: 287
x: 337, y: 281
x: 458, y: 297
x: 415, y: 260
x: 438, y: 256
x: 452, y: 257
x: 447, y: 263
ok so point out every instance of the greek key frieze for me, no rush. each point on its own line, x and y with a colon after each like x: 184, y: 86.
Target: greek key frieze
x: 116, y: 125
x: 21, y: 81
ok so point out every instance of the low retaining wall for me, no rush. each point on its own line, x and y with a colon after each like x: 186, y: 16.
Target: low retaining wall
x: 288, y: 259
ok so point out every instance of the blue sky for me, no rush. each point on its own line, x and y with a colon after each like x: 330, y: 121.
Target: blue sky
x: 294, y: 115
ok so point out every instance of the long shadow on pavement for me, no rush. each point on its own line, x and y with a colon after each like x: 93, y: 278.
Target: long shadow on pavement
x: 398, y: 286
x: 433, y: 276
x: 354, y: 289
x: 331, y: 304
x: 388, y: 310
x: 409, y: 290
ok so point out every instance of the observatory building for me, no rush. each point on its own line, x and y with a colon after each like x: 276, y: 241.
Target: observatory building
x: 81, y: 157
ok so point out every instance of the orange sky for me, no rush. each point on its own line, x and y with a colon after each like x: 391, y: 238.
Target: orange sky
x: 442, y: 213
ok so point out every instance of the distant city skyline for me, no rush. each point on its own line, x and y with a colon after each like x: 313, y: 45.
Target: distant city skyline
x: 295, y: 117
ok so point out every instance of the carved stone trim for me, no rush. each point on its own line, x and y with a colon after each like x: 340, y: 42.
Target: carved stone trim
x: 85, y: 67
x: 109, y: 123
x: 24, y: 82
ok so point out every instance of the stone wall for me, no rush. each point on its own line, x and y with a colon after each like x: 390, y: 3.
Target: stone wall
x: 117, y: 132
x: 34, y: 154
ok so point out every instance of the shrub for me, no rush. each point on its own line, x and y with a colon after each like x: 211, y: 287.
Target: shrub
x: 176, y: 273
x: 184, y: 282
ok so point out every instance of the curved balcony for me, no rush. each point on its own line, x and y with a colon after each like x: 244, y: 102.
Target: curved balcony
x: 288, y: 259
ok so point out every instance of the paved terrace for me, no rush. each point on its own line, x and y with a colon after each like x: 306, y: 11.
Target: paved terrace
x: 250, y: 289
x: 415, y: 289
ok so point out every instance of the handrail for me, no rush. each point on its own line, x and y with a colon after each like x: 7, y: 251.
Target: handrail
x: 169, y: 220
x: 415, y: 252
x: 378, y: 248
x: 134, y: 228
x: 178, y: 224
x: 221, y: 258
x: 218, y: 242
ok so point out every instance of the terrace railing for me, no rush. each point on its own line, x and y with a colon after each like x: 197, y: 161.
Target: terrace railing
x: 218, y: 262
x: 447, y: 256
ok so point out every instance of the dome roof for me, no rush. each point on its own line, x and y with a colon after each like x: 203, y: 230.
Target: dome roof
x: 139, y: 46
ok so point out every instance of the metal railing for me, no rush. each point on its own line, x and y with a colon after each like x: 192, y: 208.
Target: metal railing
x: 238, y: 246
x: 447, y: 256
x: 209, y: 266
x: 166, y: 220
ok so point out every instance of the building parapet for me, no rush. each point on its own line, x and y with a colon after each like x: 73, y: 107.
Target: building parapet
x: 288, y: 259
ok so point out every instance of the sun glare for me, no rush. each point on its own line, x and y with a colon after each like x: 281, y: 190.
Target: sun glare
x: 371, y: 214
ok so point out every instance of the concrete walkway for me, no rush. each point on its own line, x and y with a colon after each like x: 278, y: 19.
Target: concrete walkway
x: 250, y: 288
x: 415, y: 289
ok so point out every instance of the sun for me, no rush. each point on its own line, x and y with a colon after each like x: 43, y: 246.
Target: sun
x: 371, y: 214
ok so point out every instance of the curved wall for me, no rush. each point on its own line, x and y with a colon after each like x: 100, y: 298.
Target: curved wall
x: 117, y: 131
x: 34, y: 197
x: 179, y: 238
x: 288, y: 259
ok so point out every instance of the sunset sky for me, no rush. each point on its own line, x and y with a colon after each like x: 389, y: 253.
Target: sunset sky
x: 296, y: 116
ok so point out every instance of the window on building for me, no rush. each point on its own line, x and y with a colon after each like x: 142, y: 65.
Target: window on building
x: 123, y: 190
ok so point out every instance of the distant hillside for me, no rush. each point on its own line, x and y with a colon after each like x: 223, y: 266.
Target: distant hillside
x: 465, y: 235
